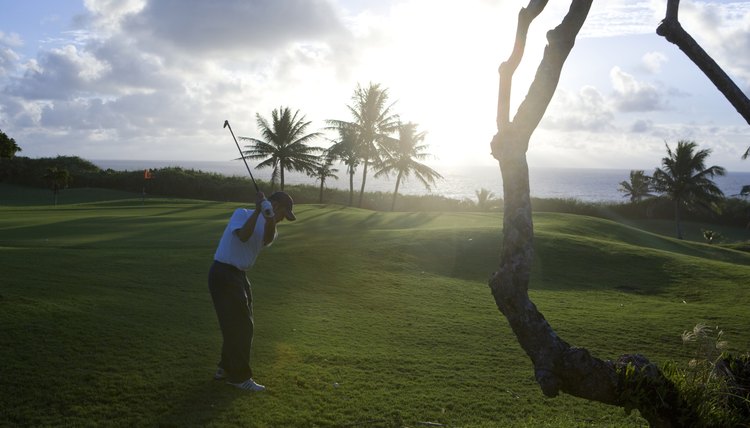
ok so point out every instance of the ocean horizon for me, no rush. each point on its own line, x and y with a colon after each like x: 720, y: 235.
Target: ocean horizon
x: 459, y: 182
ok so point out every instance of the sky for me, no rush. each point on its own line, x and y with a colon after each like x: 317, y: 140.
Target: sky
x: 155, y: 80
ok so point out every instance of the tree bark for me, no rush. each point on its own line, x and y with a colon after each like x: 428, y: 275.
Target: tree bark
x: 671, y: 29
x: 364, y: 180
x: 395, y: 192
x: 351, y: 188
x: 631, y: 381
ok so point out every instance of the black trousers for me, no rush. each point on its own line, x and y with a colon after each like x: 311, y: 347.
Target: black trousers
x: 233, y: 301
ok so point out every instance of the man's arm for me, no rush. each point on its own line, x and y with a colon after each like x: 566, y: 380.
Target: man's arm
x: 247, y: 229
x: 269, y: 231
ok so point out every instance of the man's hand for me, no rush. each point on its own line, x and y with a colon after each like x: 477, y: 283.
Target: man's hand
x: 267, y: 209
x: 263, y: 205
x: 259, y: 198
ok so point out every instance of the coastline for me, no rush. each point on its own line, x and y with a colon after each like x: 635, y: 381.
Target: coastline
x: 584, y: 184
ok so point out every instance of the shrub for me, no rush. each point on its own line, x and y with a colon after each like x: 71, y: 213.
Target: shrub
x: 714, y: 383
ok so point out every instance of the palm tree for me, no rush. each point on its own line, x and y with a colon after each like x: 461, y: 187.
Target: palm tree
x: 485, y: 199
x: 346, y: 149
x: 638, y: 187
x: 57, y: 179
x: 324, y: 171
x: 747, y: 154
x: 284, y: 146
x: 373, y: 122
x: 402, y: 157
x: 686, y: 181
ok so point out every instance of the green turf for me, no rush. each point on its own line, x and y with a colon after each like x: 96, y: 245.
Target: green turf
x: 11, y: 195
x: 362, y: 318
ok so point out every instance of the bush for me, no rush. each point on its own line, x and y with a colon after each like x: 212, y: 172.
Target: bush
x: 30, y: 172
x: 715, y: 384
x: 193, y: 184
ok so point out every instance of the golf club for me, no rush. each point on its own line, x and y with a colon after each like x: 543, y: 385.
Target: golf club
x: 267, y: 210
x: 226, y: 124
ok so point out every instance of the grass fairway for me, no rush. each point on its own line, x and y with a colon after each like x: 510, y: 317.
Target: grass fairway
x: 362, y: 318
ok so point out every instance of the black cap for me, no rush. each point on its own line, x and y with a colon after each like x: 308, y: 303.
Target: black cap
x: 283, y: 199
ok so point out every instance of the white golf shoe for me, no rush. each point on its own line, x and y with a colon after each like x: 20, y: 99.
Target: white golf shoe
x: 249, y: 385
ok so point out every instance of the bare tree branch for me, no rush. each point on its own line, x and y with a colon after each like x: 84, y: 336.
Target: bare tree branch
x: 508, y: 68
x: 560, y: 43
x: 671, y: 29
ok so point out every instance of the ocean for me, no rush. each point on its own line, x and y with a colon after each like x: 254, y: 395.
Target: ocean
x: 584, y: 184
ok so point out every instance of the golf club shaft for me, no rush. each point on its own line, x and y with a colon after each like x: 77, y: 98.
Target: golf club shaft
x: 226, y: 124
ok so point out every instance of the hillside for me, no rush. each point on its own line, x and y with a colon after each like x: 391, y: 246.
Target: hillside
x: 362, y: 317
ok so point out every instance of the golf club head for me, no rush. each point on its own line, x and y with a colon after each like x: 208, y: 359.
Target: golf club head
x: 226, y: 123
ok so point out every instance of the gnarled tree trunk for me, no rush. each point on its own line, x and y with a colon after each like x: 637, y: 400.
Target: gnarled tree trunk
x: 631, y: 381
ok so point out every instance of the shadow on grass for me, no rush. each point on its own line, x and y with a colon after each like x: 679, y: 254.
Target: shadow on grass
x: 563, y: 263
x: 378, y: 220
x: 201, y: 404
x: 13, y: 195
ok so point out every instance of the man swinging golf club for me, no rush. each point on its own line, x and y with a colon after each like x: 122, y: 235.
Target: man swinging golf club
x: 247, y: 232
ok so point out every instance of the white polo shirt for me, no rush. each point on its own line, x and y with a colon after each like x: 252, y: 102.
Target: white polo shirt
x: 232, y: 250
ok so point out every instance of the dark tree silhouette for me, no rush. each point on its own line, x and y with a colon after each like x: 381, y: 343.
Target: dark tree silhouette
x: 402, y: 157
x: 485, y: 199
x: 8, y: 146
x: 323, y: 172
x: 57, y: 179
x: 685, y: 180
x: 638, y: 187
x: 346, y: 149
x: 373, y: 122
x: 284, y: 145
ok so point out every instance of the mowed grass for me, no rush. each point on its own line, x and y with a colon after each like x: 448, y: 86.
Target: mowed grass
x: 362, y: 318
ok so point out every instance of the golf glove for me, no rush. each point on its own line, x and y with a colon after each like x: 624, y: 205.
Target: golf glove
x: 266, y: 208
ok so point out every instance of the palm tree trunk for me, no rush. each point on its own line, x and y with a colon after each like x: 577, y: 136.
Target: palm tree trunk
x: 322, y: 182
x: 273, y: 178
x: 282, y: 177
x: 395, y: 192
x: 351, y: 187
x: 677, y: 218
x: 364, y: 179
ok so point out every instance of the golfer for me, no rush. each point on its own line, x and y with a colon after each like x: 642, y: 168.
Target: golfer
x: 247, y: 233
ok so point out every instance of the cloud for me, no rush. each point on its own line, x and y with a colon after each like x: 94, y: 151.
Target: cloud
x: 58, y: 74
x: 230, y: 26
x: 619, y: 17
x: 8, y: 56
x: 11, y: 40
x: 641, y: 126
x: 155, y: 79
x: 652, y: 61
x: 587, y: 110
x: 8, y: 60
x: 634, y: 96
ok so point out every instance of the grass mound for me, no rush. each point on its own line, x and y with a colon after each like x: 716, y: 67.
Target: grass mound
x: 363, y: 318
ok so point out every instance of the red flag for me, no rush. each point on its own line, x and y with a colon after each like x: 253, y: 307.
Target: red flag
x: 147, y: 174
